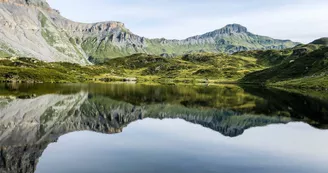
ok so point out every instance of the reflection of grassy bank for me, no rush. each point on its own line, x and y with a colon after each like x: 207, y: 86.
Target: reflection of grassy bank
x: 309, y: 83
x: 320, y: 94
x: 33, y: 90
x: 306, y: 105
x: 218, y: 96
x: 310, y: 107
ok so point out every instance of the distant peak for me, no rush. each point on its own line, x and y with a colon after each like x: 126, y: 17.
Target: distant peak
x: 234, y: 28
x: 323, y: 41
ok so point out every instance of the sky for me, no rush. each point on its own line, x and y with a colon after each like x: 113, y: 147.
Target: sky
x: 297, y: 20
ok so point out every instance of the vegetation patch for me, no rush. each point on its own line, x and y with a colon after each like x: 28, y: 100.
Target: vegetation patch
x: 306, y: 67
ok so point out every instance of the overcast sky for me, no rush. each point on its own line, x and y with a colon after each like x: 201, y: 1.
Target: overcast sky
x: 298, y: 20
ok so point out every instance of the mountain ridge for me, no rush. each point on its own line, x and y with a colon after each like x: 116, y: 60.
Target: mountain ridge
x: 41, y: 32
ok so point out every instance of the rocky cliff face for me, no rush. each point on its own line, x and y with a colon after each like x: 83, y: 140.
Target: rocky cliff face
x: 31, y: 28
x: 25, y: 31
x: 39, y: 3
x: 20, y: 159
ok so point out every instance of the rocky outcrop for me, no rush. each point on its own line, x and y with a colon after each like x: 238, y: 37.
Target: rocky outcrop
x: 25, y: 31
x: 20, y: 159
x: 35, y: 3
x: 31, y: 28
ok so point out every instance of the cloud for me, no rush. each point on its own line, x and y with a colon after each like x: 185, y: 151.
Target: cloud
x: 299, y: 20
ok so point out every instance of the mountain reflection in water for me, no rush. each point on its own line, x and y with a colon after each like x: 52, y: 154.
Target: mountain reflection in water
x: 33, y: 116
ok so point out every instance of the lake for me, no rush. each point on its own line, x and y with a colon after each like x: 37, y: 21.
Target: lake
x: 138, y: 128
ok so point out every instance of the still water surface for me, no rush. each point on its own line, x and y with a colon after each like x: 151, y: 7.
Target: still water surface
x: 120, y: 128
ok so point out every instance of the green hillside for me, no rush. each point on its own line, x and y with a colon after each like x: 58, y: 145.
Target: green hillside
x: 206, y: 66
x: 200, y: 67
x: 306, y: 67
x: 35, y: 71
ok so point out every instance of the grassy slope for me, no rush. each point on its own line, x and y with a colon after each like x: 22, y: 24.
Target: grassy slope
x: 202, y: 67
x: 267, y: 57
x: 3, y: 54
x: 188, y: 67
x: 6, y: 51
x: 306, y: 67
x: 32, y: 70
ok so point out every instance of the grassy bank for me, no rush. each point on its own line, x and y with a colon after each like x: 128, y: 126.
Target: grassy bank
x: 192, y: 68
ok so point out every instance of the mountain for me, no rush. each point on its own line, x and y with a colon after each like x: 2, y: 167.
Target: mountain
x: 31, y: 28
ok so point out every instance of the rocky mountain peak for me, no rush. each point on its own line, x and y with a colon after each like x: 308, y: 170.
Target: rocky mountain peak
x: 227, y: 30
x: 42, y: 3
x: 39, y: 3
x: 234, y: 28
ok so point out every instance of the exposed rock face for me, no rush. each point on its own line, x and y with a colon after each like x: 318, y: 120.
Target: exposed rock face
x: 20, y: 159
x: 31, y: 28
x: 26, y: 32
x: 39, y: 3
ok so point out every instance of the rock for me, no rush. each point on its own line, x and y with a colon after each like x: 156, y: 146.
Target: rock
x: 300, y: 51
x: 166, y: 55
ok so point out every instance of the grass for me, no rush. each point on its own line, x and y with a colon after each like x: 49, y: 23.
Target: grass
x: 34, y: 71
x: 193, y: 68
x: 267, y: 57
x: 100, y: 50
x: 4, y: 54
x: 206, y: 66
x: 6, y: 51
x: 306, y: 67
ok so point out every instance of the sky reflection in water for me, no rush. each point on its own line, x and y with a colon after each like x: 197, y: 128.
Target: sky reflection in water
x: 174, y: 145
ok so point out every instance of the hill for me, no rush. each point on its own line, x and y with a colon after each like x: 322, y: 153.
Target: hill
x: 205, y: 66
x: 303, y: 66
x: 197, y: 67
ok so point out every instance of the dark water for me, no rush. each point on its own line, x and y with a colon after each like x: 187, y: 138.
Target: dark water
x: 100, y: 128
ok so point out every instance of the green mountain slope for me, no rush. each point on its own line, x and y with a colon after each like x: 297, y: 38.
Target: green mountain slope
x: 306, y: 66
x: 229, y: 39
x: 200, y: 67
x: 207, y: 66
